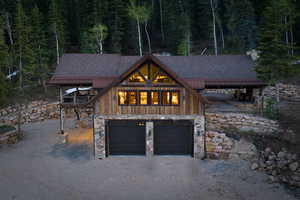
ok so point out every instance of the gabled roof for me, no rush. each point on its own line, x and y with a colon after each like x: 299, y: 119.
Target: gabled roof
x: 198, y: 71
x: 138, y: 64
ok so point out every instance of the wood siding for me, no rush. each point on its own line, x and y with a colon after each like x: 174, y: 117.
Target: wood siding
x: 108, y: 103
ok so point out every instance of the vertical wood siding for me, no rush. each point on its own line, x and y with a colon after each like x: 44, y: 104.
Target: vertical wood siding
x: 108, y: 103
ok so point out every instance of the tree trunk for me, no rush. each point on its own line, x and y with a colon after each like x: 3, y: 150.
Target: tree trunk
x: 8, y: 28
x: 287, y: 34
x: 292, y: 40
x: 57, y: 44
x: 19, y: 119
x: 221, y: 31
x: 214, y: 27
x: 188, y: 41
x: 148, y: 38
x: 20, y: 70
x: 161, y: 21
x: 277, y: 93
x: 139, y: 34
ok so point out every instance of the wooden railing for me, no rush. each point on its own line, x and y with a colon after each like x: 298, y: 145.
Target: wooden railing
x: 75, y: 100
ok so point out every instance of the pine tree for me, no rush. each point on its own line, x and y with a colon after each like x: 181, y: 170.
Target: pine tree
x: 275, y: 63
x: 116, y: 19
x: 3, y: 64
x: 241, y: 25
x: 23, y: 48
x: 39, y: 43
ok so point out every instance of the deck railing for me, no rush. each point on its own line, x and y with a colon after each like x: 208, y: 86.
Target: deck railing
x: 82, y: 99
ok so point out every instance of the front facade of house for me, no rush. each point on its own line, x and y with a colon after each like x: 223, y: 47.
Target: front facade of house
x: 142, y: 105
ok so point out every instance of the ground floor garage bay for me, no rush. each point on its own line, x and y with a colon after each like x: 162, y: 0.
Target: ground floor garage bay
x: 148, y: 135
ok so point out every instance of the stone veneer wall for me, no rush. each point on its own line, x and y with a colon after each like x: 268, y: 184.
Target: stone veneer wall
x: 99, y: 131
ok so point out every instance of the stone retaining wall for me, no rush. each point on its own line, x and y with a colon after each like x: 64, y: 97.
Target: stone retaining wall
x: 223, y: 122
x: 226, y: 134
x: 35, y: 111
x: 286, y: 92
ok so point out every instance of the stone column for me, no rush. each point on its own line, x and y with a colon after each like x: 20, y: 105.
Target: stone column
x: 99, y: 137
x: 199, y: 130
x: 149, y: 138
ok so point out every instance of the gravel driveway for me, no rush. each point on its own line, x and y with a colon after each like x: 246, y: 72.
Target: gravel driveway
x: 40, y: 168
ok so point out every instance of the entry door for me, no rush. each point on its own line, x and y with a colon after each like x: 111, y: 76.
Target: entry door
x: 173, y: 137
x: 126, y: 137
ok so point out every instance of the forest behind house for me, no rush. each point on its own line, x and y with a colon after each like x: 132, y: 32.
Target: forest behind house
x: 34, y: 34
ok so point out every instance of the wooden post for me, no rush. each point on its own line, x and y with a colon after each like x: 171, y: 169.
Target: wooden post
x: 61, y: 111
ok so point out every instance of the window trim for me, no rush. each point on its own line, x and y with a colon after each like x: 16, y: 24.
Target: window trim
x: 149, y: 98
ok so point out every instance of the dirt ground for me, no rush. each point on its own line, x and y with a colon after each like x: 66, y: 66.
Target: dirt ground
x: 42, y: 168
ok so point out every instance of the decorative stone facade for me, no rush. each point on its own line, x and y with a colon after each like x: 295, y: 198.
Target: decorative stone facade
x: 99, y: 137
x: 99, y: 131
x: 149, y: 138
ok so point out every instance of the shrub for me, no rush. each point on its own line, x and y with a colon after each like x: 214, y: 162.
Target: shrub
x: 271, y: 110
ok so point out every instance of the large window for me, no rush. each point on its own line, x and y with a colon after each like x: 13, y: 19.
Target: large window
x: 150, y: 98
x: 150, y: 74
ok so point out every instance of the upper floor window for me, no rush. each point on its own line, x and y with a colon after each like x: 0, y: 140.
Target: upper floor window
x: 150, y: 74
x: 150, y: 97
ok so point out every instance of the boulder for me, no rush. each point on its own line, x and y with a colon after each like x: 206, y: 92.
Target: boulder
x: 294, y: 166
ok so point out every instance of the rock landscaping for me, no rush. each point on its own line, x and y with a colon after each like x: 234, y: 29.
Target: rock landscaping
x: 282, y: 167
x: 8, y: 135
x: 221, y: 146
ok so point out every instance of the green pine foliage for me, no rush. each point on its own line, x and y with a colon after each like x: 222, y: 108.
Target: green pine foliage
x: 39, y: 44
x: 23, y: 46
x: 275, y: 62
x: 241, y: 24
x: 3, y: 65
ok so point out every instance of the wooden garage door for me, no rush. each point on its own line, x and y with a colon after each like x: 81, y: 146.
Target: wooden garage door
x: 126, y: 137
x: 173, y: 137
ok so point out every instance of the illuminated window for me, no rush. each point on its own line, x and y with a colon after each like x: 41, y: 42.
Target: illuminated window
x: 132, y: 98
x: 136, y: 78
x: 154, y: 72
x: 166, y: 97
x: 122, y: 97
x: 144, y: 70
x: 154, y: 98
x: 175, y: 98
x: 151, y: 74
x: 143, y: 98
x: 163, y: 78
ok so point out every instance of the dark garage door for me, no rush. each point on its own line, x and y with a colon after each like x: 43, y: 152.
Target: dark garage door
x: 173, y: 137
x: 126, y: 137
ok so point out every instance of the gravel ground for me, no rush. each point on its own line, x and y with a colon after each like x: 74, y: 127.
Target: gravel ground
x: 41, y: 168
